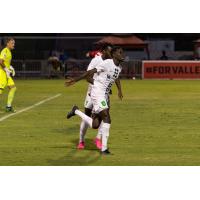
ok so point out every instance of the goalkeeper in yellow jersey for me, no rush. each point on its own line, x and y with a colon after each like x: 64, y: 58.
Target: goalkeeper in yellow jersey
x: 7, y: 72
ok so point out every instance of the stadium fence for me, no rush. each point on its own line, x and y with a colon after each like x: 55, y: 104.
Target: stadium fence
x: 71, y: 68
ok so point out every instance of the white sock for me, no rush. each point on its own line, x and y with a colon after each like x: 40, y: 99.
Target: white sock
x: 99, y: 134
x: 84, y: 117
x: 105, y: 134
x: 83, y: 129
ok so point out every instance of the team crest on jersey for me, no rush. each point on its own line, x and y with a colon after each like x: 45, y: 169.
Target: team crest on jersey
x: 103, y: 103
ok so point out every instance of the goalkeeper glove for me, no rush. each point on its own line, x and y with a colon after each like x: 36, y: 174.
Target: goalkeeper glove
x: 12, y: 70
x: 8, y: 72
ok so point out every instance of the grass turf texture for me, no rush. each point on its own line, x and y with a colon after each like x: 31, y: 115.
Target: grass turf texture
x: 157, y: 123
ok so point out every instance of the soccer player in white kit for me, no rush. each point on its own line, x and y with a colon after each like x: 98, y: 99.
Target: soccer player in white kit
x: 107, y: 73
x: 97, y: 60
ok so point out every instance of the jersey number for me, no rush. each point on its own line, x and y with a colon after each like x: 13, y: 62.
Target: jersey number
x: 116, y: 73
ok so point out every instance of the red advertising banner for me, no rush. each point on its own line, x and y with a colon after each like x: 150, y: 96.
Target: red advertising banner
x: 171, y: 69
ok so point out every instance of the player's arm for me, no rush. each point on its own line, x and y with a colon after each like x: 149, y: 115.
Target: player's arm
x: 118, y: 84
x: 2, y: 63
x: 90, y: 79
x: 88, y: 75
x: 91, y: 66
x: 94, y: 62
x: 72, y: 81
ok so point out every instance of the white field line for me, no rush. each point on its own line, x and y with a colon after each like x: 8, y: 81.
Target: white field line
x: 30, y: 107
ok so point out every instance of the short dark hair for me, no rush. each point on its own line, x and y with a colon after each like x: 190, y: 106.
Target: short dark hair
x: 9, y: 39
x: 114, y: 49
x: 104, y: 46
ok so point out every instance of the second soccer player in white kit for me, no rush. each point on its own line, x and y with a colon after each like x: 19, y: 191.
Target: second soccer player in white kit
x: 107, y: 72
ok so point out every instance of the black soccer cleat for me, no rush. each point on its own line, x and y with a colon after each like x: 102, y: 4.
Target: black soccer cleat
x: 10, y: 109
x: 106, y: 152
x: 72, y: 112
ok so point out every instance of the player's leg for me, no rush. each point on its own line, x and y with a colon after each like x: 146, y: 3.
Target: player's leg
x: 75, y: 111
x: 98, y: 139
x: 84, y: 126
x: 97, y: 124
x: 83, y: 130
x: 96, y: 120
x: 11, y: 95
x: 105, y: 129
x: 101, y: 106
x: 3, y: 81
x: 1, y: 92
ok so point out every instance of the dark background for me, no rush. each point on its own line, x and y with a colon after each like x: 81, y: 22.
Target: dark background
x: 32, y: 46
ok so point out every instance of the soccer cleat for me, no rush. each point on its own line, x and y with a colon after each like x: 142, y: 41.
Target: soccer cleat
x: 81, y: 145
x: 10, y: 109
x: 98, y: 143
x: 106, y: 152
x: 72, y: 112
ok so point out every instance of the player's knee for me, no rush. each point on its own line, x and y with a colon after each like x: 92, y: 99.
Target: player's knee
x: 106, y: 118
x: 14, y: 89
x: 95, y: 124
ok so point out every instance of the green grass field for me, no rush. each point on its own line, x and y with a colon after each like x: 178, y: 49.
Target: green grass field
x: 157, y: 123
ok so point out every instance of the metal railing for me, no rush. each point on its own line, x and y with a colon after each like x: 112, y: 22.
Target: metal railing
x: 132, y: 68
x: 36, y: 68
x: 71, y: 68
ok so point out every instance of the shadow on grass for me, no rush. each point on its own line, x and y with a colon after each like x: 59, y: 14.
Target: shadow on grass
x: 74, y: 157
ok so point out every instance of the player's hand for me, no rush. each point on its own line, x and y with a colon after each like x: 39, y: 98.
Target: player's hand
x: 70, y: 82
x: 120, y: 95
x: 12, y: 70
x: 8, y: 72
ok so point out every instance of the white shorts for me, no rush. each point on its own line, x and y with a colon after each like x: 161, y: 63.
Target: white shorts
x: 100, y: 103
x: 88, y: 102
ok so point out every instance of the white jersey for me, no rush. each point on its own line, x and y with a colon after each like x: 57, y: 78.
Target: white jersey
x: 107, y: 73
x: 97, y: 60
